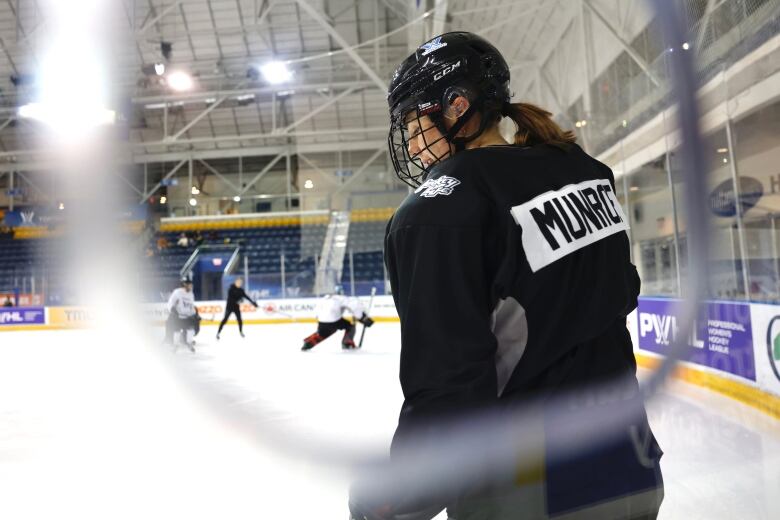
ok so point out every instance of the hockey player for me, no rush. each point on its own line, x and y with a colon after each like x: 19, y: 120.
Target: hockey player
x: 234, y: 297
x: 330, y: 318
x: 183, y: 321
x: 510, y: 270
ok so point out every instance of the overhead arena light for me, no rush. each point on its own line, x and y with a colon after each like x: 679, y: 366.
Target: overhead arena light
x: 163, y: 199
x: 179, y: 80
x: 58, y: 115
x: 236, y: 199
x: 308, y: 184
x: 195, y: 190
x: 276, y: 72
x: 72, y: 109
x: 193, y: 201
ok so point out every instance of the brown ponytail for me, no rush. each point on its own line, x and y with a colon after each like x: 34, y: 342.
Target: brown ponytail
x: 536, y: 126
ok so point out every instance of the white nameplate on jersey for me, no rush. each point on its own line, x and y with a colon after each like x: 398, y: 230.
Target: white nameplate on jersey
x: 560, y: 222
x: 440, y: 186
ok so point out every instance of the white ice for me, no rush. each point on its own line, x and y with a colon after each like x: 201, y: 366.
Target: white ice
x: 94, y: 428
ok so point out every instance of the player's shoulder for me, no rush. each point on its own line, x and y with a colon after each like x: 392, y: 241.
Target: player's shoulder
x: 451, y: 195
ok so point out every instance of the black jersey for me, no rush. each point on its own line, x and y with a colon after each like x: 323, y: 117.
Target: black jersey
x: 235, y: 295
x: 511, y: 273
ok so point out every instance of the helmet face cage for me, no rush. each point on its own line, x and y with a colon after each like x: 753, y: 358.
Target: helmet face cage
x: 410, y: 167
x: 447, y: 66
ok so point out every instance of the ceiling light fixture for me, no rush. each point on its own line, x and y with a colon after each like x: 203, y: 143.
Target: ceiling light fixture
x: 276, y: 72
x: 179, y: 80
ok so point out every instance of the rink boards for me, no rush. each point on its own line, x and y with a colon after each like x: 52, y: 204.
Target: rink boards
x: 290, y: 310
x: 735, y: 346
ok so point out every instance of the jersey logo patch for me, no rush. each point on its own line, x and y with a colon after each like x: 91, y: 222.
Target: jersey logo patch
x: 557, y: 223
x: 432, y: 45
x: 441, y: 186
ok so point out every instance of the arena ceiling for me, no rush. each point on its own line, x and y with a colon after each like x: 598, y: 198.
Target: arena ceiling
x: 342, y: 53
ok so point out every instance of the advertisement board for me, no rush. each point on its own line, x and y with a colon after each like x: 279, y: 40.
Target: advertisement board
x: 23, y: 299
x: 273, y: 310
x: 22, y: 316
x: 721, y: 338
x: 69, y: 317
x: 766, y: 332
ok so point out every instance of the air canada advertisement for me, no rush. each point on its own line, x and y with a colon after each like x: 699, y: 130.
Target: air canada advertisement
x: 274, y: 310
x: 721, y: 337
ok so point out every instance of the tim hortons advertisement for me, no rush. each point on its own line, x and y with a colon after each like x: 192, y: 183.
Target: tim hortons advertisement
x: 70, y: 316
x: 721, y: 337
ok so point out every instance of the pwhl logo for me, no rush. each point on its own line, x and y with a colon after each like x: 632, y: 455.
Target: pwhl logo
x: 11, y: 317
x: 432, y: 45
x: 441, y: 186
x: 664, y: 328
x: 773, y: 345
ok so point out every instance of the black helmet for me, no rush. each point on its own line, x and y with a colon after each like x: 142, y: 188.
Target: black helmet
x: 453, y: 64
x: 186, y: 279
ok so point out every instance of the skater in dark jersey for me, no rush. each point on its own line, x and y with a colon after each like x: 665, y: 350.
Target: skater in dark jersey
x: 510, y: 269
x: 234, y: 297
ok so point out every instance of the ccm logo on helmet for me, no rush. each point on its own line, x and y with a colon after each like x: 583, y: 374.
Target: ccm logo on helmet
x: 447, y: 70
x: 557, y: 223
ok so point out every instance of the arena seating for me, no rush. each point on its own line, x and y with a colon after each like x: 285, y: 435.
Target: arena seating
x: 262, y: 240
x: 366, y: 242
x: 30, y: 253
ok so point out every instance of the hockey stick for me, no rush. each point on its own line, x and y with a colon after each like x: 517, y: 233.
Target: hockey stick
x: 370, y: 304
x: 280, y: 313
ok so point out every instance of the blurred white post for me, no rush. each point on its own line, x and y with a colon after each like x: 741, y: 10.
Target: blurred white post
x: 738, y: 206
x: 288, y: 181
x: 352, y: 272
x: 284, y: 284
x: 189, y: 186
x: 246, y: 271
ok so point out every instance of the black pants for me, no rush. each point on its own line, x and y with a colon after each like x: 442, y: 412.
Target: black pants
x: 327, y: 329
x: 174, y: 323
x: 232, y: 310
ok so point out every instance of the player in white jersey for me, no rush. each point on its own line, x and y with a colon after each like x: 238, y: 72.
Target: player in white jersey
x: 183, y: 321
x: 330, y: 318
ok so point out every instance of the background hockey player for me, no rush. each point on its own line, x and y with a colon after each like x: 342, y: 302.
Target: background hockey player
x: 234, y: 296
x: 330, y: 318
x: 510, y: 269
x: 183, y: 321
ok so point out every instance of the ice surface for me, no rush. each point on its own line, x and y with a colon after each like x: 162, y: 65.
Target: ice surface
x: 93, y: 428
